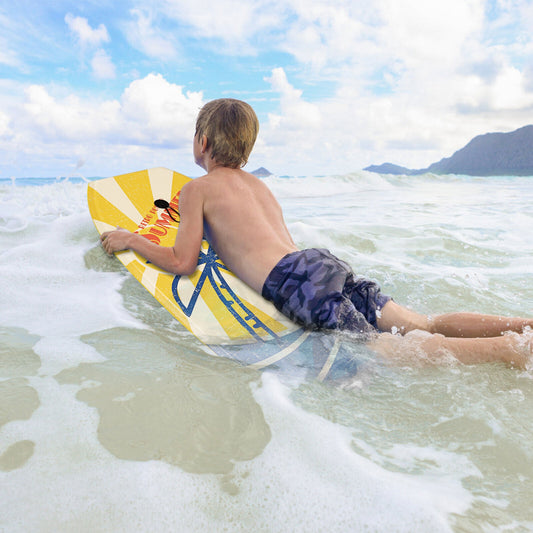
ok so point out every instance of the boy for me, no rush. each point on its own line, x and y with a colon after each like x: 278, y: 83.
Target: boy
x: 244, y: 223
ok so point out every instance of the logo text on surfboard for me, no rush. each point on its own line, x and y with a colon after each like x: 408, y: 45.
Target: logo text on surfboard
x: 154, y: 231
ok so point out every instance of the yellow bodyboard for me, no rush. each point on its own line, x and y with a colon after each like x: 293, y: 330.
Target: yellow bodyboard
x: 212, y: 303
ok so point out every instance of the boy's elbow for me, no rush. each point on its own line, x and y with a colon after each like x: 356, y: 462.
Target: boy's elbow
x: 187, y: 270
x: 184, y: 267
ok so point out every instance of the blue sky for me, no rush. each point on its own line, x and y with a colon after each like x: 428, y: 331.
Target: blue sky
x: 101, y: 88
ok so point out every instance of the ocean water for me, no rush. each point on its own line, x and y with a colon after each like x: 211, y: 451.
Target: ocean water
x: 114, y: 418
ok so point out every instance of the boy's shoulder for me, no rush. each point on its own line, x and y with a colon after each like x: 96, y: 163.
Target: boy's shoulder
x: 213, y: 182
x: 223, y: 183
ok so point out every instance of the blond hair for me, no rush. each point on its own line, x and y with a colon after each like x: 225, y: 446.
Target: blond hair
x: 231, y: 128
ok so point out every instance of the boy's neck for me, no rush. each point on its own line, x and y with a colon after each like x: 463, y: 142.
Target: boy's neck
x: 210, y: 165
x: 213, y: 164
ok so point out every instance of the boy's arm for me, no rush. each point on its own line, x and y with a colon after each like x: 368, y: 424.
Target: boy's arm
x: 180, y: 259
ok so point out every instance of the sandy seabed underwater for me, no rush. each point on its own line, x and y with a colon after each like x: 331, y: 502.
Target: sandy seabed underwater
x: 114, y: 418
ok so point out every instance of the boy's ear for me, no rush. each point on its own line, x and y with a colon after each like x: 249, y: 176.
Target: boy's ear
x: 203, y: 142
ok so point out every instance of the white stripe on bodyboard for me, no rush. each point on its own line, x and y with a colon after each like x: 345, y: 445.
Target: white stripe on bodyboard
x: 283, y: 353
x: 149, y: 279
x: 329, y: 362
x: 209, y: 321
x: 103, y: 226
x: 161, y: 183
x: 114, y: 194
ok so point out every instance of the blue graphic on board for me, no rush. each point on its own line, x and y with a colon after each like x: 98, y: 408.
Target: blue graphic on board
x: 212, y: 272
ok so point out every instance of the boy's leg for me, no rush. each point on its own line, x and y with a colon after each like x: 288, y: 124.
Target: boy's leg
x: 476, y: 325
x: 398, y: 319
x: 450, y: 324
x: 515, y: 350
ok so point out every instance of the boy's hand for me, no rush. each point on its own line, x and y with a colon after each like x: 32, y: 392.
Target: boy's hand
x: 115, y: 241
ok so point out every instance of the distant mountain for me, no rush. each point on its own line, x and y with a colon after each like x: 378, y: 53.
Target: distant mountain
x: 492, y: 154
x: 261, y: 172
x: 389, y: 168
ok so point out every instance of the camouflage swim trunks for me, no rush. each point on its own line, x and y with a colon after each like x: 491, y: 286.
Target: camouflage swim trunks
x: 319, y: 291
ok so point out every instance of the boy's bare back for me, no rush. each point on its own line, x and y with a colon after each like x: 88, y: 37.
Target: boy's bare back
x: 243, y: 221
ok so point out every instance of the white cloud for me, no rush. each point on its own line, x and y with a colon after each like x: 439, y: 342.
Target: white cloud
x: 229, y: 26
x: 161, y: 111
x: 8, y: 57
x: 5, y: 129
x: 151, y: 111
x: 147, y: 38
x: 70, y: 119
x: 296, y: 112
x: 422, y: 33
x: 151, y: 124
x: 295, y: 133
x: 102, y: 65
x: 86, y: 35
x: 528, y: 77
x: 509, y: 90
x: 11, y: 34
x: 280, y: 84
x: 324, y: 34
